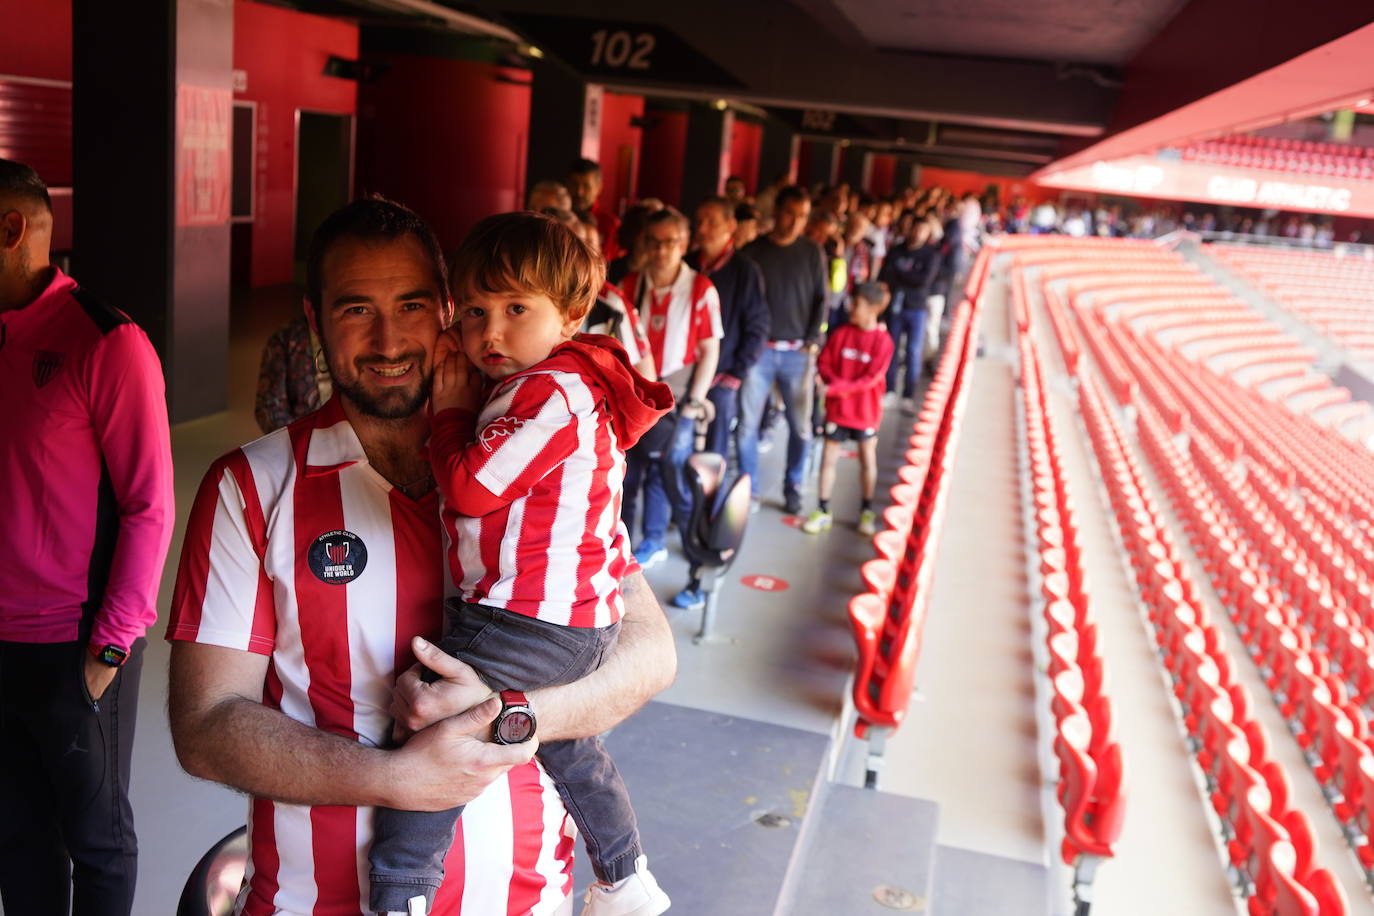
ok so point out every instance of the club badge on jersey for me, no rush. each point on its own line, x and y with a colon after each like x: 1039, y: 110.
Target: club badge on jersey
x: 45, y: 366
x: 337, y: 557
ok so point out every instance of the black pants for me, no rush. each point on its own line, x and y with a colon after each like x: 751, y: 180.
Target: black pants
x: 514, y: 652
x: 66, y: 828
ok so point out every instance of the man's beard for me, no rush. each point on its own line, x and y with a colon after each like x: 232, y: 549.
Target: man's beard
x: 389, y: 403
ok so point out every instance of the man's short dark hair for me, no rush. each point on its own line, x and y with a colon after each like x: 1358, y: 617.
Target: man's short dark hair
x: 370, y: 219
x: 726, y: 208
x: 734, y: 178
x: 19, y: 180
x: 745, y: 212
x: 584, y: 167
x: 789, y: 193
x: 666, y: 215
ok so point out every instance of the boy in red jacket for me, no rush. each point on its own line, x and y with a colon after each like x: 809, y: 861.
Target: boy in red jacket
x: 852, y: 372
x: 530, y: 465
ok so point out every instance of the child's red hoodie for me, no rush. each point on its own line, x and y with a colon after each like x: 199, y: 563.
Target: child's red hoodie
x: 853, y: 365
x: 532, y: 485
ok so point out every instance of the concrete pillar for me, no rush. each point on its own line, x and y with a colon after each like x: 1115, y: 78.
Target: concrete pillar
x: 151, y: 180
x: 707, y: 161
x: 778, y: 152
x: 822, y: 164
x: 564, y: 123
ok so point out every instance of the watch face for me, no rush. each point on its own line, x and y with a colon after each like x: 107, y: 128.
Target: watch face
x: 514, y: 726
x: 113, y: 656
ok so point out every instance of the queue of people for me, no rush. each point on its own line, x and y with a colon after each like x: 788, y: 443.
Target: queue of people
x: 363, y: 593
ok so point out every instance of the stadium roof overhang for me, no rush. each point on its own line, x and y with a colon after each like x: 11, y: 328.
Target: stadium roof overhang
x: 999, y: 86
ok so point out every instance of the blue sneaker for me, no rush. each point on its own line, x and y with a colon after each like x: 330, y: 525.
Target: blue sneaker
x: 650, y: 553
x: 689, y: 599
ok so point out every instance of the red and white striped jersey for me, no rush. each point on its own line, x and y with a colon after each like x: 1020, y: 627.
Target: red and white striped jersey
x: 297, y: 549
x: 532, y: 489
x: 628, y: 332
x: 676, y: 318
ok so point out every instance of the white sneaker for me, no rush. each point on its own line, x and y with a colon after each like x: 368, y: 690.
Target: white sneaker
x: 889, y: 398
x: 637, y: 895
x: 908, y: 405
x: 415, y: 906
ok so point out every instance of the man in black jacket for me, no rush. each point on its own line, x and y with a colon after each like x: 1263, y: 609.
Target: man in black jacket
x: 910, y: 269
x: 743, y: 312
x: 794, y: 286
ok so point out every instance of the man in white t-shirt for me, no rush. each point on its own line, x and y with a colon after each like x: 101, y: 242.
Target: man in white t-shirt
x: 312, y: 574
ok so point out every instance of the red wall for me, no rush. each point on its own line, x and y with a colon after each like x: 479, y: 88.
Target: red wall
x: 446, y: 137
x: 745, y: 140
x: 883, y: 175
x: 36, y: 42
x: 664, y: 148
x: 959, y: 182
x: 620, y: 150
x: 36, y: 39
x: 284, y: 53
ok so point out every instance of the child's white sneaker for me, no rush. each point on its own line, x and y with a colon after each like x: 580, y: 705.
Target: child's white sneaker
x: 415, y: 906
x: 637, y: 895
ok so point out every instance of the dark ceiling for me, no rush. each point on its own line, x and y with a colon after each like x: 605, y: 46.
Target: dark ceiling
x: 1004, y: 86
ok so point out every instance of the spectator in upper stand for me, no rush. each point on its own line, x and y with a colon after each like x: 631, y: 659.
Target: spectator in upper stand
x: 743, y: 313
x: 735, y: 192
x: 746, y: 224
x: 584, y: 183
x: 549, y: 195
x: 630, y: 240
x: 910, y: 271
x: 1044, y: 218
x: 86, y: 497
x: 680, y: 309
x: 795, y: 284
x: 294, y: 378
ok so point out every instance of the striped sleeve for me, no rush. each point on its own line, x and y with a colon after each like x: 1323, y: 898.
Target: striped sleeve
x: 223, y: 596
x: 526, y: 431
x: 706, y: 315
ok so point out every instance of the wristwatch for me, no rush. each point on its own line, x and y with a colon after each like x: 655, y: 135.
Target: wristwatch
x: 110, y: 655
x: 515, y: 722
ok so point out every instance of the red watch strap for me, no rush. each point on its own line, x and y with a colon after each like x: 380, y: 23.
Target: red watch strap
x: 513, y: 698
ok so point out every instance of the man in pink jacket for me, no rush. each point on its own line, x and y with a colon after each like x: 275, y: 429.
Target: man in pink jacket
x: 86, y: 498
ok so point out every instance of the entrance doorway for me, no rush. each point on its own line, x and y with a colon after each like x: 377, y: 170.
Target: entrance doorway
x: 324, y: 174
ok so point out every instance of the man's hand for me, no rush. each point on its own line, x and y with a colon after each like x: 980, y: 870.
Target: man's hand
x: 703, y: 410
x: 416, y: 705
x: 457, y: 383
x: 99, y: 676
x: 452, y: 761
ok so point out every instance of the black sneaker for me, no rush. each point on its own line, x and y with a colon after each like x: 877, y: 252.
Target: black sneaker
x: 791, y: 502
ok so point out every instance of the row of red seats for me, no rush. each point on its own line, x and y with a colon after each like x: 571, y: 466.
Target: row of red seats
x: 1091, y: 788
x: 1350, y: 162
x: 888, y: 618
x: 1333, y: 295
x: 1230, y: 746
x: 1271, y: 853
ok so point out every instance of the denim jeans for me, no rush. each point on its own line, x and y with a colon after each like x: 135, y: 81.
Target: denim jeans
x: 719, y: 436
x: 791, y: 371
x: 512, y: 651
x: 644, y: 469
x: 910, y: 323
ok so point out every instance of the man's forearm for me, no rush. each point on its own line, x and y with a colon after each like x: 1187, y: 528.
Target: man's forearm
x: 643, y: 663
x: 708, y: 355
x: 262, y: 752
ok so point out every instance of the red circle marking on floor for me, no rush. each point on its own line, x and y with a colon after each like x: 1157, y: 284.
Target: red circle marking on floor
x: 765, y: 583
